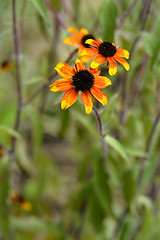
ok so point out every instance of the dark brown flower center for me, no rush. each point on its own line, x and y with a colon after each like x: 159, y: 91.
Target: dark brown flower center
x: 89, y: 36
x: 4, y: 64
x: 83, y: 80
x: 107, y: 49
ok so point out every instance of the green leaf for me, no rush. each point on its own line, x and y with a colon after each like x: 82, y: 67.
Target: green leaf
x: 100, y: 184
x: 108, y: 17
x: 23, y: 158
x: 34, y: 80
x: 4, y: 34
x: 95, y: 212
x: 133, y: 152
x: 156, y: 52
x: 4, y: 191
x: 144, y: 201
x: 10, y: 131
x: 129, y: 186
x: 33, y: 224
x: 149, y: 43
x: 77, y: 7
x: 118, y: 148
x: 40, y: 7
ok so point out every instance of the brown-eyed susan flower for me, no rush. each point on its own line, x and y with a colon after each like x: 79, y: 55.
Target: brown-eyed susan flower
x: 17, y: 198
x: 106, y: 51
x: 79, y: 38
x: 80, y: 79
x: 5, y: 66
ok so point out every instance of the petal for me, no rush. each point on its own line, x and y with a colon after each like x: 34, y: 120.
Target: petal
x: 80, y: 49
x: 99, y: 95
x: 86, y: 58
x: 73, y: 31
x: 64, y: 70
x: 100, y: 41
x: 99, y: 59
x: 92, y: 42
x: 122, y: 62
x: 61, y: 85
x: 79, y: 66
x: 112, y: 66
x: 71, y: 41
x: 102, y: 82
x: 89, y: 51
x: 122, y: 53
x: 87, y: 101
x: 84, y: 31
x: 69, y: 98
x: 94, y: 71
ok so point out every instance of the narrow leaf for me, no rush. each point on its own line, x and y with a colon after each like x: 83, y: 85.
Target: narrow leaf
x: 40, y: 7
x: 118, y: 148
x: 108, y: 19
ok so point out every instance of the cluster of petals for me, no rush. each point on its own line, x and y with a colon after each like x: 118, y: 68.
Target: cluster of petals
x: 83, y: 79
x: 79, y: 78
x: 106, y: 51
x: 79, y: 38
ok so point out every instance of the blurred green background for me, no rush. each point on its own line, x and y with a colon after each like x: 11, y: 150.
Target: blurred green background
x: 57, y: 165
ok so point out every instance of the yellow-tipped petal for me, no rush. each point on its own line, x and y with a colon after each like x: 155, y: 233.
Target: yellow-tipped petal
x: 112, y: 71
x: 63, y: 104
x: 94, y: 64
x: 122, y: 62
x: 87, y: 101
x: 112, y: 66
x: 83, y: 52
x: 61, y: 85
x: 69, y: 98
x: 123, y: 53
x: 88, y: 109
x: 99, y: 95
x: 102, y: 82
x: 64, y: 70
x: 84, y: 31
x: 79, y: 65
x: 70, y: 40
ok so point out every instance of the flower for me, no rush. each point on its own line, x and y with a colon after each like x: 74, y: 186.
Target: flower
x: 79, y: 38
x: 106, y: 51
x: 1, y: 151
x: 5, y: 66
x: 17, y: 198
x: 81, y: 79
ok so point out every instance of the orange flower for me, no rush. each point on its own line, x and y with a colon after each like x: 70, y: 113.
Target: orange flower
x: 79, y: 38
x: 106, y: 51
x: 1, y: 151
x: 16, y: 198
x: 81, y: 79
x: 5, y: 66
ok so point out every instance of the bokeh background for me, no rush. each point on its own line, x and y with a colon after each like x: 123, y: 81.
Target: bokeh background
x: 56, y: 164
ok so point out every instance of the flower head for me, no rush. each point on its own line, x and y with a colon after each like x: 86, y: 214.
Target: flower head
x: 79, y: 38
x: 80, y: 79
x: 5, y: 66
x: 106, y: 51
x: 17, y: 198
